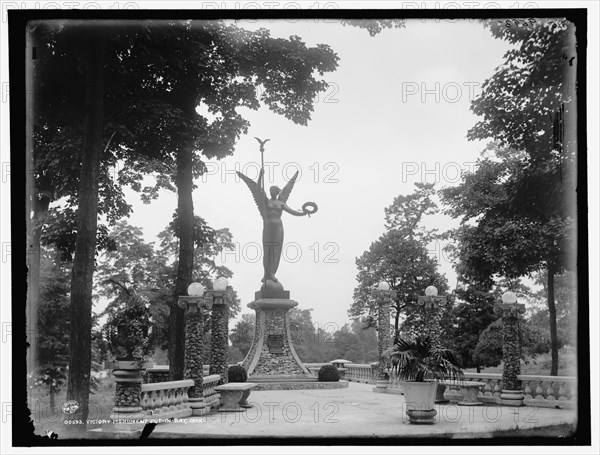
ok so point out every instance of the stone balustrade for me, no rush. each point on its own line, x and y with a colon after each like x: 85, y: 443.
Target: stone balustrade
x: 549, y: 391
x: 165, y: 400
x: 359, y: 372
x: 543, y: 391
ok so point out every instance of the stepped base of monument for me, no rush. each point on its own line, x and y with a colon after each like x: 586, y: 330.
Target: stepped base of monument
x: 298, y: 385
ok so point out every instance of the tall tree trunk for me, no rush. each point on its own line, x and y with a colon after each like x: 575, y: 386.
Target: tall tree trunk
x: 185, y: 223
x: 80, y: 339
x: 40, y: 210
x: 553, y: 329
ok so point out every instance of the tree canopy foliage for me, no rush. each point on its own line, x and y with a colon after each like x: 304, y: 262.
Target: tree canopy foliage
x: 517, y: 208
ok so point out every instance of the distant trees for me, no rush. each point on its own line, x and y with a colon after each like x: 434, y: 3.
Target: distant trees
x: 400, y: 258
x: 488, y: 350
x: 472, y: 312
x: 241, y: 337
x: 53, y: 334
x: 356, y: 342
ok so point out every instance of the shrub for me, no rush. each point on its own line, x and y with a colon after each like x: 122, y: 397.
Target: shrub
x: 237, y: 373
x: 328, y: 373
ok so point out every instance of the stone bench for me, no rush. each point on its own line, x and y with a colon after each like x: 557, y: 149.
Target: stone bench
x: 234, y: 396
x: 468, y: 392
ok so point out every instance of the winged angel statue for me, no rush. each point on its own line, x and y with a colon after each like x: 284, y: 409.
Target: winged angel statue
x: 271, y: 211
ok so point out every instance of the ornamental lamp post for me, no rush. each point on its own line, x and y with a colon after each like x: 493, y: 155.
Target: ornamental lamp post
x: 509, y: 309
x: 193, y: 304
x: 431, y: 302
x: 384, y: 297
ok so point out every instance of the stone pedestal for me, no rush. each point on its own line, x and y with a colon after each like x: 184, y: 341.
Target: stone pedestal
x: 272, y: 357
x: 127, y: 413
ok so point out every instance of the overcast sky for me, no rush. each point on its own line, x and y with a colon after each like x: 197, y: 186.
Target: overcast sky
x: 396, y: 113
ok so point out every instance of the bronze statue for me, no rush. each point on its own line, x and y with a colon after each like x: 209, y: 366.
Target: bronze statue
x: 271, y: 211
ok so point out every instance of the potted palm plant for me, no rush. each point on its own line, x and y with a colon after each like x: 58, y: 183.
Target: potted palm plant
x: 420, y: 364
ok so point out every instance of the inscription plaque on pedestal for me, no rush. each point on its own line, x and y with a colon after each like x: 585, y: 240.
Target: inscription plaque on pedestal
x: 275, y: 344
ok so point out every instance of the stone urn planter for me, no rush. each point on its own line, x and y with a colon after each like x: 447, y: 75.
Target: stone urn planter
x: 420, y: 400
x: 419, y: 365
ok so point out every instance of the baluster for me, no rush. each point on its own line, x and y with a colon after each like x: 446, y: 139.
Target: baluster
x: 159, y: 400
x: 487, y: 390
x: 179, y: 397
x: 144, y: 401
x: 150, y: 401
x: 527, y: 391
x: 562, y: 392
x: 539, y: 392
x: 497, y: 388
x: 185, y: 396
x: 168, y: 399
x: 174, y: 398
x: 550, y: 392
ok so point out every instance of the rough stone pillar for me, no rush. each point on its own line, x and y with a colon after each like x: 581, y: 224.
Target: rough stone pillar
x: 219, y: 347
x: 383, y: 334
x: 194, y: 345
x: 512, y: 392
x: 432, y: 327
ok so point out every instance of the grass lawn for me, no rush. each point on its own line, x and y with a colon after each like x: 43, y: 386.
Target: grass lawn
x: 45, y: 418
x: 567, y: 364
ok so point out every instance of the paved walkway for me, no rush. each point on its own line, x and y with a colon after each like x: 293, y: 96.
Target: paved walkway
x: 357, y: 411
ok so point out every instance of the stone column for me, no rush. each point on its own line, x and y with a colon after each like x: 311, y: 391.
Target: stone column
x: 194, y: 345
x: 512, y: 392
x: 384, y: 339
x: 384, y: 298
x: 431, y: 305
x: 219, y: 347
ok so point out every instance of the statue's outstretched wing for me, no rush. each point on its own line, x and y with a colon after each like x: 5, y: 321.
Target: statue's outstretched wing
x: 287, y: 189
x: 257, y: 192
